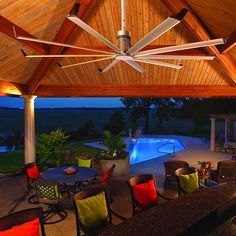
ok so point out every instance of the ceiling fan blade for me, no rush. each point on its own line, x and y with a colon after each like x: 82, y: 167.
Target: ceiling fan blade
x: 93, y: 32
x: 61, y: 44
x: 135, y: 65
x: 63, y: 55
x: 109, y: 66
x: 176, y: 57
x: 182, y: 47
x: 159, y: 63
x: 86, y: 62
x: 166, y: 25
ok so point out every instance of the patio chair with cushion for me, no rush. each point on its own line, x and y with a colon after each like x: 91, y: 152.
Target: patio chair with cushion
x: 170, y: 168
x: 51, y: 194
x: 92, y: 211
x: 144, y: 192
x: 225, y: 172
x: 104, y: 181
x: 28, y: 222
x: 31, y: 173
x: 188, y: 181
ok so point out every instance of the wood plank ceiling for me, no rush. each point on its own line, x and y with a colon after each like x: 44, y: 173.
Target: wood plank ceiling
x: 43, y: 18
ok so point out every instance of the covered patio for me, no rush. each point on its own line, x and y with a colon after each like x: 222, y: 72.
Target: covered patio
x: 28, y: 78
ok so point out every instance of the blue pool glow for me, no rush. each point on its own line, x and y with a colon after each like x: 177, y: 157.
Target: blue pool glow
x: 149, y: 148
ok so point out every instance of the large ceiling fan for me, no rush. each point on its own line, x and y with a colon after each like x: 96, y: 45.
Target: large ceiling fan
x: 124, y: 51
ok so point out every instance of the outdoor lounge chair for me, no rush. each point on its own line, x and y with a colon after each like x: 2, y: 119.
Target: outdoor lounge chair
x: 225, y: 172
x: 51, y: 194
x: 170, y: 168
x: 92, y: 211
x: 25, y: 222
x: 144, y: 192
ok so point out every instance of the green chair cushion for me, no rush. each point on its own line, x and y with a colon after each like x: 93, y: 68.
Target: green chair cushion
x: 84, y: 163
x: 92, y: 211
x: 49, y: 191
x: 189, y: 182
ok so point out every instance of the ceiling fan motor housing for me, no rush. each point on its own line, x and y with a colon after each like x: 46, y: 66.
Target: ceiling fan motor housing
x: 123, y: 38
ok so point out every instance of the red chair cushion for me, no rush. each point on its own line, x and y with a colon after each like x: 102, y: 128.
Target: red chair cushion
x: 33, y: 172
x: 145, y: 194
x: 105, y: 176
x: 30, y: 228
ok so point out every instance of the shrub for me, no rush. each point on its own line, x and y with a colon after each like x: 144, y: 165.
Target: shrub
x: 51, y: 148
x: 115, y: 147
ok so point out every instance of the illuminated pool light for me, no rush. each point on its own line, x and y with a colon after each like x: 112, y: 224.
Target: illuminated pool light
x: 145, y: 149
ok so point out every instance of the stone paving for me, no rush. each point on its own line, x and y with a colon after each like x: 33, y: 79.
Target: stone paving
x: 13, y: 196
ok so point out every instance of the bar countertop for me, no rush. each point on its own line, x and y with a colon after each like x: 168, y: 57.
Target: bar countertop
x: 176, y: 216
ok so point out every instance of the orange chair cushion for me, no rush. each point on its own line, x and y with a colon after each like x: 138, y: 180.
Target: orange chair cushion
x: 145, y: 194
x: 30, y: 228
x: 33, y: 172
x: 105, y: 176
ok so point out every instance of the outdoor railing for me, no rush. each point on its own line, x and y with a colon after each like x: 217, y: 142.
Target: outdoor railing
x: 164, y: 144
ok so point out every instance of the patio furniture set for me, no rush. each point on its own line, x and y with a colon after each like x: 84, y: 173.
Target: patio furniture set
x: 92, y: 198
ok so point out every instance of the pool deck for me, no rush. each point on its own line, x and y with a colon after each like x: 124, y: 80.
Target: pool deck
x: 13, y: 197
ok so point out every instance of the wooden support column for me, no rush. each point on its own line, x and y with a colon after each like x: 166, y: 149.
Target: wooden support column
x: 29, y: 128
x: 213, y: 134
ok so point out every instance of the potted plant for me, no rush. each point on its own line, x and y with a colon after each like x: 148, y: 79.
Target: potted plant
x: 115, y: 153
x: 203, y: 166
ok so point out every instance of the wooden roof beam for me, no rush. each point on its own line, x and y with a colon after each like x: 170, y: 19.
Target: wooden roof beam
x: 62, y: 36
x: 6, y: 27
x: 204, y: 91
x: 11, y: 89
x: 230, y: 43
x: 200, y: 32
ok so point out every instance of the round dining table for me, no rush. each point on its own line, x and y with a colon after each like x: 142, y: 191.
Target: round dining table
x: 57, y: 174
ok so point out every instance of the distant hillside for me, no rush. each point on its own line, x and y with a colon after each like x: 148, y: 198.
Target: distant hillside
x: 49, y: 119
x: 70, y: 119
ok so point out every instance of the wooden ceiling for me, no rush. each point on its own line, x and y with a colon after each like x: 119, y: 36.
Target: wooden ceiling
x: 46, y: 19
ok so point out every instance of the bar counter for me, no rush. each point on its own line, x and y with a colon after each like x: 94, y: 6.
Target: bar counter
x: 190, y: 214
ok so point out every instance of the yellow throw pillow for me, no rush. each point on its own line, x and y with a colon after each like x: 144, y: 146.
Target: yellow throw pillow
x: 84, y: 162
x: 189, y: 182
x: 92, y: 211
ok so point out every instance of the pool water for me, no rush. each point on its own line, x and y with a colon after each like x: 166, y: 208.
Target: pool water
x: 7, y: 149
x: 145, y: 149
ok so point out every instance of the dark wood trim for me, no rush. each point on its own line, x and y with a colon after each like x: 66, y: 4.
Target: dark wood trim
x: 6, y: 27
x: 230, y: 43
x: 204, y: 91
x: 11, y: 89
x: 200, y: 32
x: 62, y: 36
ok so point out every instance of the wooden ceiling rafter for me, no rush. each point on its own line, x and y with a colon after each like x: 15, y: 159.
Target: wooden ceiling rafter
x: 200, y: 32
x: 6, y: 27
x: 204, y: 91
x: 230, y: 43
x: 62, y: 36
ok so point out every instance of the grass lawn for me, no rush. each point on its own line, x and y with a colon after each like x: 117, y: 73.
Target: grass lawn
x: 14, y: 161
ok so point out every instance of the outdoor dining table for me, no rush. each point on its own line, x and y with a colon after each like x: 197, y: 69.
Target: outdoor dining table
x: 58, y: 175
x: 190, y: 214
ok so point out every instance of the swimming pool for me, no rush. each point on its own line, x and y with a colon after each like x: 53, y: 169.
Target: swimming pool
x: 145, y: 149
